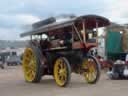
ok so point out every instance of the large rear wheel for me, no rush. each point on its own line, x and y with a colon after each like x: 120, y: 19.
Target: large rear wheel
x: 92, y: 67
x: 62, y: 71
x: 31, y: 65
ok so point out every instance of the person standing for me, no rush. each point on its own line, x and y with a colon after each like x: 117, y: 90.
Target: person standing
x: 2, y: 62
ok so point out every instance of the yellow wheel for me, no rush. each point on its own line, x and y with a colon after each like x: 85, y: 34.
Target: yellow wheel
x: 62, y: 71
x: 31, y: 66
x: 92, y: 68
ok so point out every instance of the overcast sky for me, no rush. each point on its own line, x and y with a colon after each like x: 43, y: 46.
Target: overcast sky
x: 17, y: 15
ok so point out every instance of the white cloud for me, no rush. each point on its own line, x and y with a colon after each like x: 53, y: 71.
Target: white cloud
x: 6, y: 34
x: 12, y: 25
x: 116, y: 10
x: 16, y: 16
x: 17, y: 20
x: 27, y: 19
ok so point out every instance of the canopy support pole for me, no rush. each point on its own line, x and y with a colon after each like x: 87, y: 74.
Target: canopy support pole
x: 96, y: 32
x: 77, y: 32
x: 84, y: 34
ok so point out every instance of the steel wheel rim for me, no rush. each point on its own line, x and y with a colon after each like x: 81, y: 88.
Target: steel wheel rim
x: 29, y: 65
x: 91, y: 73
x: 60, y: 72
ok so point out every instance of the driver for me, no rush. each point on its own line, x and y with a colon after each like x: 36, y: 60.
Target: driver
x: 66, y: 40
x: 45, y: 41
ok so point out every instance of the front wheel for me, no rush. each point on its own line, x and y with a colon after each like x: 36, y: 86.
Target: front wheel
x: 62, y: 71
x: 32, y: 65
x: 92, y: 67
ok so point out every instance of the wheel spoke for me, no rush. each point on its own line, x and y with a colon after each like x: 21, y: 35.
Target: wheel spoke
x: 29, y: 73
x: 61, y: 65
x: 90, y: 77
x: 60, y: 77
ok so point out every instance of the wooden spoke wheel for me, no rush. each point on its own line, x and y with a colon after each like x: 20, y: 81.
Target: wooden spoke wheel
x: 92, y: 68
x: 62, y: 71
x: 31, y: 66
